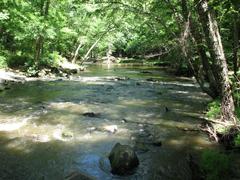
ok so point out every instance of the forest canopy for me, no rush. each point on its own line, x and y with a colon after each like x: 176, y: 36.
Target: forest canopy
x: 197, y: 37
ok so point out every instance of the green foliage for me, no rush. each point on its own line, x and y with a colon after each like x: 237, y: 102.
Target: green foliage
x: 216, y: 165
x: 237, y: 140
x: 3, y: 62
x: 52, y: 60
x: 17, y: 60
x: 68, y: 23
x: 237, y: 111
x: 32, y: 70
x: 214, y: 109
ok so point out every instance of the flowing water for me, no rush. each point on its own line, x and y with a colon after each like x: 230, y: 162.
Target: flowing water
x: 45, y: 135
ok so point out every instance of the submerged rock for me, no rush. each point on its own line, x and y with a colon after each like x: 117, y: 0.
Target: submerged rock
x: 146, y: 72
x: 91, y: 114
x: 121, y: 78
x: 123, y: 159
x: 141, y: 147
x: 157, y: 142
x: 151, y: 80
x: 79, y: 176
x: 67, y: 134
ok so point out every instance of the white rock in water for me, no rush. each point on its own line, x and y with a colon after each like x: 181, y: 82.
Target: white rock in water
x: 111, y: 128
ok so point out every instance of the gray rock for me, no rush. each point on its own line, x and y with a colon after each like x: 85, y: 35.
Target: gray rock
x: 123, y: 159
x: 91, y: 114
x: 67, y: 134
x: 157, y: 142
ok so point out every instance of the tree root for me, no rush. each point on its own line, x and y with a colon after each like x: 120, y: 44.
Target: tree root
x: 225, y: 138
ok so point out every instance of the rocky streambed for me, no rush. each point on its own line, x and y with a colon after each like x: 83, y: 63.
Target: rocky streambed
x: 57, y: 129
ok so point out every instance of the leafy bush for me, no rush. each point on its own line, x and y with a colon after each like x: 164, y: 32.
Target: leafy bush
x: 32, y: 70
x: 17, y: 61
x: 52, y: 60
x: 216, y: 165
x: 3, y: 62
x: 214, y: 109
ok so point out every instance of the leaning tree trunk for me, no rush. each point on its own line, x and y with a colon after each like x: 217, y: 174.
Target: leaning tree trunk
x: 90, y: 50
x: 76, y: 52
x: 198, y: 41
x: 215, y: 47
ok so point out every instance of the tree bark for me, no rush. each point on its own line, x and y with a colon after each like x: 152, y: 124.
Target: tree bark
x: 89, y: 51
x: 40, y: 39
x: 214, y: 43
x: 198, y: 40
x: 236, y: 27
x: 95, y: 43
x: 76, y: 52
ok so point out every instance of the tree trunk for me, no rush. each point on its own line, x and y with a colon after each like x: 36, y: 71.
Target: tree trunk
x: 38, y: 49
x: 76, y: 52
x: 40, y: 40
x: 215, y: 47
x: 198, y: 40
x: 95, y: 43
x: 89, y: 51
x: 236, y: 26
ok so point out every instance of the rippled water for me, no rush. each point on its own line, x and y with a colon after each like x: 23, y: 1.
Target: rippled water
x: 45, y: 135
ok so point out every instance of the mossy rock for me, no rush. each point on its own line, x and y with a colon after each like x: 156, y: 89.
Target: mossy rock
x: 67, y: 134
x: 123, y: 159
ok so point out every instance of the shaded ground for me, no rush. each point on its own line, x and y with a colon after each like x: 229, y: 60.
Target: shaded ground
x: 45, y: 135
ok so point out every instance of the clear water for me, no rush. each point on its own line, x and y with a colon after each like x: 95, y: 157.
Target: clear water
x: 44, y: 135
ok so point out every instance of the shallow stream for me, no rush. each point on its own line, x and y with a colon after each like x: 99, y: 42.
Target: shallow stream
x: 45, y: 132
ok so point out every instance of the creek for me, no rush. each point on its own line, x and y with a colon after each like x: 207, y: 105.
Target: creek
x: 49, y: 129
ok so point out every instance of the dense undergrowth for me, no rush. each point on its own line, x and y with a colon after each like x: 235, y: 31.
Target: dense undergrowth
x: 218, y: 165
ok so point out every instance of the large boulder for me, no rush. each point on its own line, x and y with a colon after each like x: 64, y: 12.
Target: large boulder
x: 123, y: 159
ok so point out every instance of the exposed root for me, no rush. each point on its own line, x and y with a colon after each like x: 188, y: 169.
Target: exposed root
x: 225, y: 137
x: 211, y: 132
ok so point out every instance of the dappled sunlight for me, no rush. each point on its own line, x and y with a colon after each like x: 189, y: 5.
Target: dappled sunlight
x: 67, y: 121
x: 134, y: 102
x: 14, y: 124
x: 192, y: 140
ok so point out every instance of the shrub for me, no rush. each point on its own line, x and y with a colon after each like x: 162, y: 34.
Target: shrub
x: 52, y: 60
x: 17, y: 61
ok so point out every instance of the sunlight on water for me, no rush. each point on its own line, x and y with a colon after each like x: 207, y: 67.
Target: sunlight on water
x: 55, y: 127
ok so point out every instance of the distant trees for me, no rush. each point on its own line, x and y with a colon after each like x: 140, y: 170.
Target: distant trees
x: 185, y: 34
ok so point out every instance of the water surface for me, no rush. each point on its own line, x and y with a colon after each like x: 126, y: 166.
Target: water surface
x: 44, y: 134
